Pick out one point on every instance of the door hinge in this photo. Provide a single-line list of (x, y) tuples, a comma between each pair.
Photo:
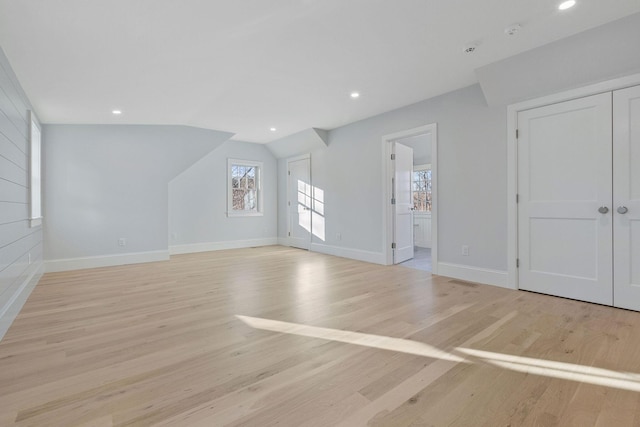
[(517, 133), (393, 157), (393, 246), (289, 203), (517, 262), (517, 198), (393, 201), (289, 173), (289, 234)]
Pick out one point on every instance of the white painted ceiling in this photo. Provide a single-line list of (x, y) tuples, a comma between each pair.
[(244, 66)]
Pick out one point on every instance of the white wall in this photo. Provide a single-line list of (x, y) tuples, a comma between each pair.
[(105, 182), (20, 246), (471, 179), (602, 53), (198, 203)]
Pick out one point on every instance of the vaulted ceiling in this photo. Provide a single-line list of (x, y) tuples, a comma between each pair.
[(246, 66)]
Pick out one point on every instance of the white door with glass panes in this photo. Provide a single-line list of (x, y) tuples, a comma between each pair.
[(403, 206), (299, 199), (579, 191)]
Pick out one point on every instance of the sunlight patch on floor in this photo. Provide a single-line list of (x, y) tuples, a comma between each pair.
[(356, 338), (548, 368)]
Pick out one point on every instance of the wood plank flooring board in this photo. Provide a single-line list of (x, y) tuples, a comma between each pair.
[(160, 344)]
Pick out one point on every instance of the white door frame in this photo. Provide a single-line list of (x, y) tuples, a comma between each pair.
[(387, 209), (290, 160), (512, 156)]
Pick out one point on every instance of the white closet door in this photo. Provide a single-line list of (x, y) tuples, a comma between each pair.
[(626, 197), (564, 177)]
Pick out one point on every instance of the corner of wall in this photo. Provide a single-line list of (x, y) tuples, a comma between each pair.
[(9, 311)]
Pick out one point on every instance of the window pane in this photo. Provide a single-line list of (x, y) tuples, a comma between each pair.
[(244, 188)]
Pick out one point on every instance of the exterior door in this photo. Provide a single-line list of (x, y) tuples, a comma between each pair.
[(403, 208), (626, 197), (299, 202), (565, 193)]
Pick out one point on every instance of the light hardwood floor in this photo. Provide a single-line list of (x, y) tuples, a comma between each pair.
[(279, 336)]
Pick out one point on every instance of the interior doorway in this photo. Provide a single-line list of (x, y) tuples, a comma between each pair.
[(422, 227)]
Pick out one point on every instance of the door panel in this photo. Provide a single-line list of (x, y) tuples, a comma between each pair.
[(564, 176), (403, 214), (626, 178), (299, 203)]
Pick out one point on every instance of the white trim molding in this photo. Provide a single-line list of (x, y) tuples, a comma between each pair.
[(467, 273), (219, 246), (356, 254), (68, 264), (387, 211), (9, 311)]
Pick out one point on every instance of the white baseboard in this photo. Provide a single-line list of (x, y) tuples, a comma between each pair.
[(284, 241), (357, 254), (218, 246), (67, 264), (474, 274), (9, 311)]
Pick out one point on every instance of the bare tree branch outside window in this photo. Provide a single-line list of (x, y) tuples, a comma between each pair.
[(244, 188), (422, 190)]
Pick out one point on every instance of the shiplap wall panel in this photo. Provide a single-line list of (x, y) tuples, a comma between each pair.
[(9, 254), (13, 231), (8, 129), (12, 212), (12, 278), (11, 172), (12, 192), (14, 105), (20, 245), (9, 151)]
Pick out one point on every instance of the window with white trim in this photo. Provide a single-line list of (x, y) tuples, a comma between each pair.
[(244, 188), (35, 177)]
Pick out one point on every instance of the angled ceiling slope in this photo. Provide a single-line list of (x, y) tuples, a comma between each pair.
[(595, 55), (299, 143)]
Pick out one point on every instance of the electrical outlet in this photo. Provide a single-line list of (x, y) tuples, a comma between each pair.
[(174, 236), (465, 250), (122, 241), (29, 257), (338, 236)]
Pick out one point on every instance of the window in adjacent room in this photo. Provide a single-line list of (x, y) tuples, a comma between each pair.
[(35, 177), (244, 188), (422, 188)]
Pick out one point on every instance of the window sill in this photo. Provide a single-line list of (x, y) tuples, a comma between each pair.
[(243, 214)]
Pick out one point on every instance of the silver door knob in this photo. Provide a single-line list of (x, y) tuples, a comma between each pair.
[(603, 209), (622, 210)]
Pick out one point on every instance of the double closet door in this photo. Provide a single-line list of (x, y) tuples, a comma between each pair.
[(579, 199)]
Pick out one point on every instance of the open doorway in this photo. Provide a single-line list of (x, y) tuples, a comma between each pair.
[(422, 142)]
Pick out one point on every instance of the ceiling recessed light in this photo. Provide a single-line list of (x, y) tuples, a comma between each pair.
[(273, 129), (116, 112), (567, 4), (355, 95)]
